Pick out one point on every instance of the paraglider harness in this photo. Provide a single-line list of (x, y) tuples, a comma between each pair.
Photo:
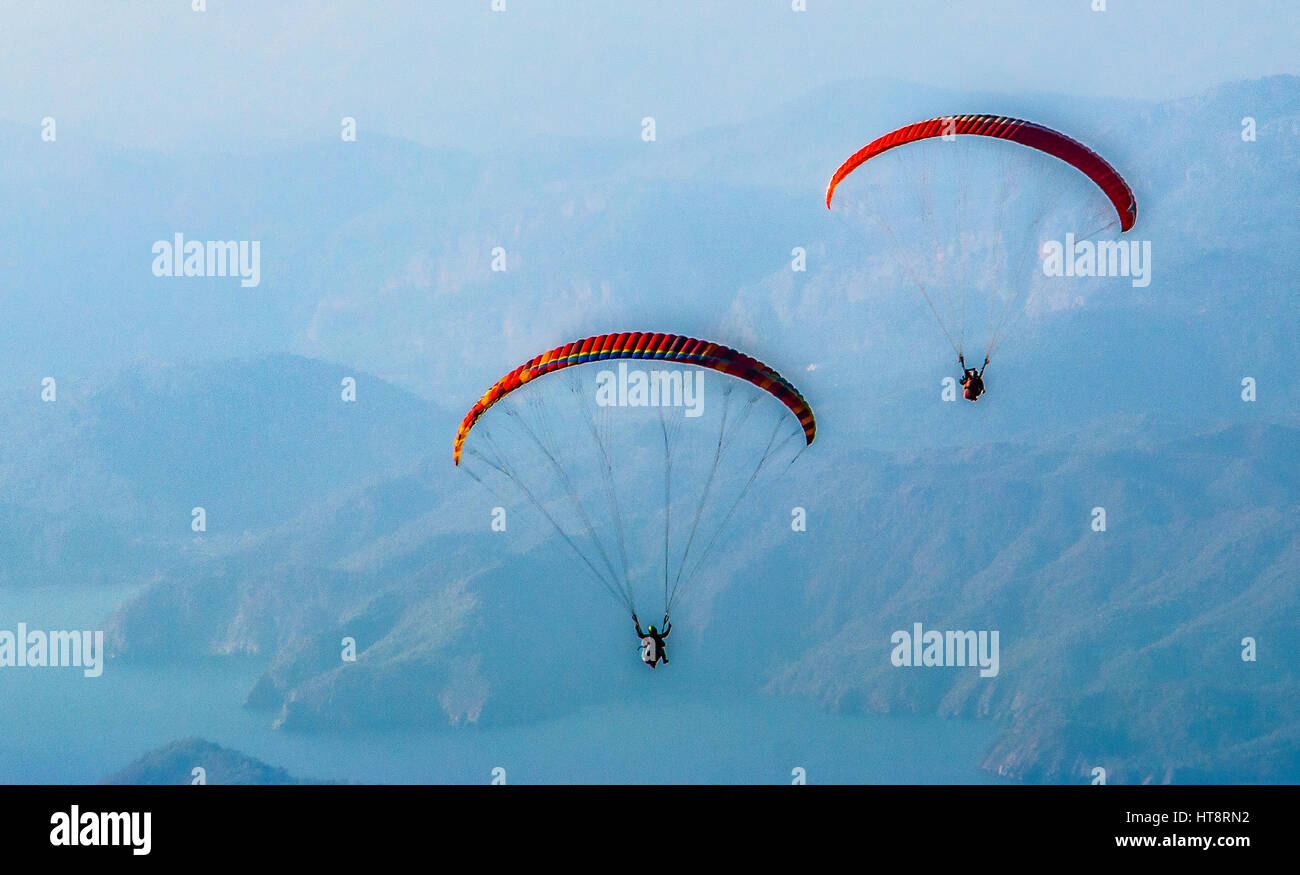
[(652, 642), (972, 381)]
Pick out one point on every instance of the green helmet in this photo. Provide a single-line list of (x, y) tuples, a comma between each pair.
[(651, 630)]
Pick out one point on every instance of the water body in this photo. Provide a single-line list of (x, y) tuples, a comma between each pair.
[(61, 727)]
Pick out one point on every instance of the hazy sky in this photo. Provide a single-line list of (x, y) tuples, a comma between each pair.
[(452, 72)]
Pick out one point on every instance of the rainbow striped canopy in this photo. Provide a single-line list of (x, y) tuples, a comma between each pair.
[(643, 345)]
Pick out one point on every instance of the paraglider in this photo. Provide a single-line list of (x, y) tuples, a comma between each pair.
[(639, 470), (964, 203), (652, 642), (972, 379)]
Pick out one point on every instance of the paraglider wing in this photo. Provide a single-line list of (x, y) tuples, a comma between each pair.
[(1019, 131), (644, 345)]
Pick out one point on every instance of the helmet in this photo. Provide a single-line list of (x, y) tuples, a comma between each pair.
[(651, 630)]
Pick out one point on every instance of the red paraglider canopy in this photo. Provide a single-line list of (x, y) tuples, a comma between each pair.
[(648, 345), (1025, 133)]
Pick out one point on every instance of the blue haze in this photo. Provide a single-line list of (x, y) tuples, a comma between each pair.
[(522, 130)]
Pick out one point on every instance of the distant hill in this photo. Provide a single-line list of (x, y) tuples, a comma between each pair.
[(174, 764), (1120, 648), (100, 484)]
